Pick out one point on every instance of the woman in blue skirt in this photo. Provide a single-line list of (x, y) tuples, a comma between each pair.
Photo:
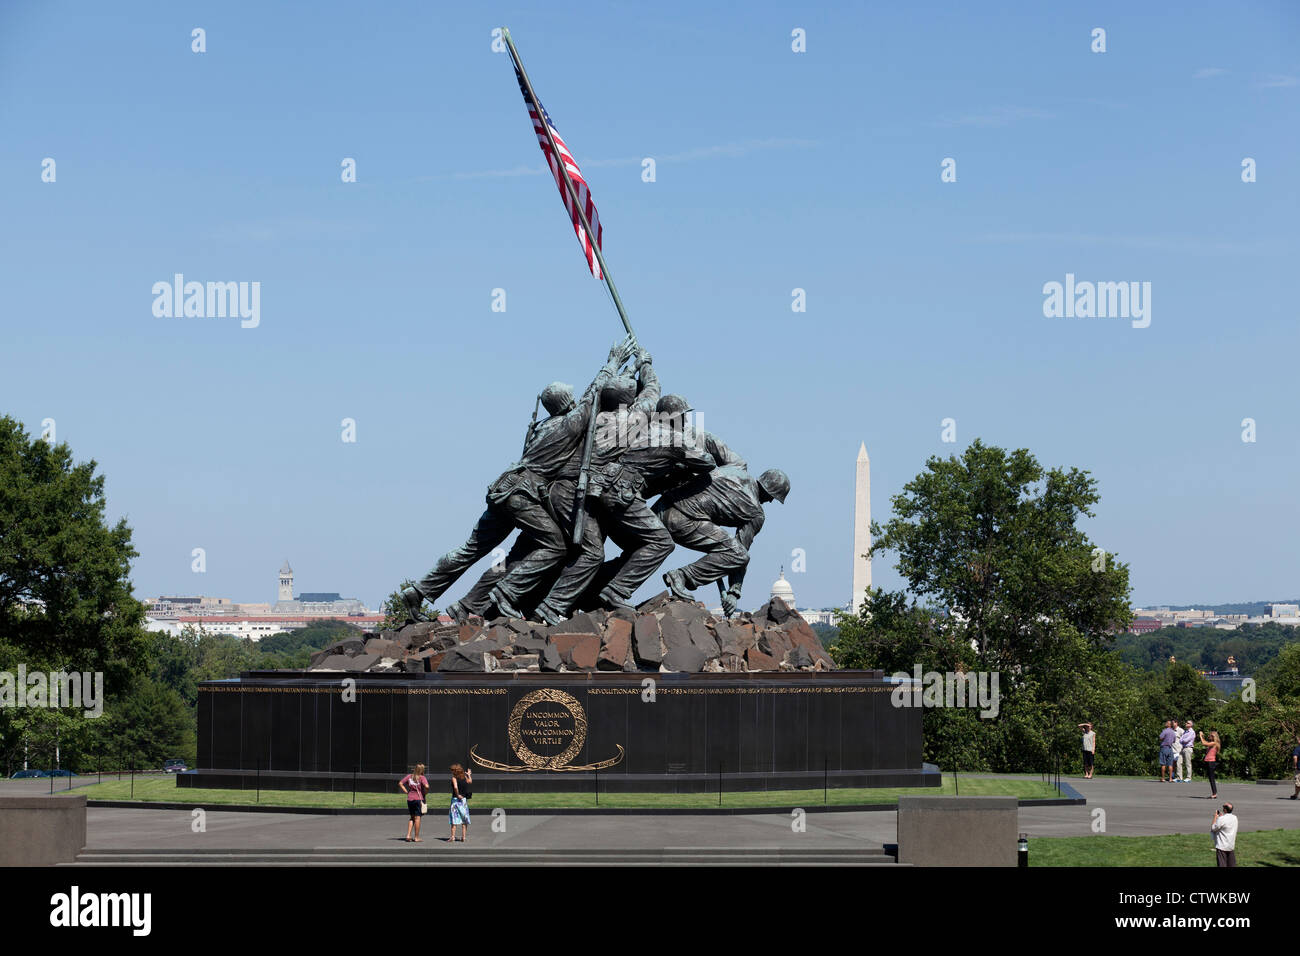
[(459, 812)]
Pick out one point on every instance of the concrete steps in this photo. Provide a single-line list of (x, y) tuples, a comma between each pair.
[(440, 854)]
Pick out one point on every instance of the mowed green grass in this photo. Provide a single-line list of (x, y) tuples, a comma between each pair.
[(164, 790), (1254, 848)]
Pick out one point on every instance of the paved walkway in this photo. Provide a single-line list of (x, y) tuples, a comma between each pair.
[(1132, 807)]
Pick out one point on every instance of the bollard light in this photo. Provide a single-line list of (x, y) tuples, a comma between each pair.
[(1022, 849)]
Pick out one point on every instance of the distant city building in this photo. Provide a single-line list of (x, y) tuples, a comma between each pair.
[(819, 615), (1284, 610), (256, 628), (256, 621), (313, 603), (165, 607), (1144, 625), (782, 589)]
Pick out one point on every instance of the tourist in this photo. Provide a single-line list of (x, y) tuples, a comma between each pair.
[(458, 814), (1167, 738), (1187, 738), (1224, 828), (1089, 749), (416, 786), (1295, 766), (467, 793), (1176, 771), (1212, 759)]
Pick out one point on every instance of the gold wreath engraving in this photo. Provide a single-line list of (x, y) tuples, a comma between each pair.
[(562, 761)]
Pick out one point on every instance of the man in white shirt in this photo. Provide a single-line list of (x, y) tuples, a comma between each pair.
[(1178, 754), (1224, 828), (1187, 738)]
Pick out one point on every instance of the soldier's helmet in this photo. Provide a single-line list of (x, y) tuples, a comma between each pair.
[(775, 483), (673, 405), (557, 398)]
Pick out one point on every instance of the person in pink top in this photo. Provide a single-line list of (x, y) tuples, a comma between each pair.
[(416, 787), (1212, 760)]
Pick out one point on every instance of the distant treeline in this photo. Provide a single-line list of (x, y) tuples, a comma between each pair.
[(155, 715), (1207, 648)]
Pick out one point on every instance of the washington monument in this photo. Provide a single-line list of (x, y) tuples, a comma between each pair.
[(861, 530)]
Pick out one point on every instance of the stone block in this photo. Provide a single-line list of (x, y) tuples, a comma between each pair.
[(686, 658), (549, 659), (654, 603), (577, 650), (647, 640), (702, 639), (615, 645), (674, 633), (958, 831), (41, 830), (758, 661)]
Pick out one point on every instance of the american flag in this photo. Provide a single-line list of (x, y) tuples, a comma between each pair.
[(575, 174)]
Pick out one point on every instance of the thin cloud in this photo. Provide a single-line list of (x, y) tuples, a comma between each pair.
[(997, 116), (1206, 72), (1280, 80), (1183, 244)]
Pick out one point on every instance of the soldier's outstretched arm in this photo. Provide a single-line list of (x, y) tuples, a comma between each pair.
[(718, 449), (647, 396), (575, 420)]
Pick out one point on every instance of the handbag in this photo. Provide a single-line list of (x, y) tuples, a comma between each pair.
[(424, 808)]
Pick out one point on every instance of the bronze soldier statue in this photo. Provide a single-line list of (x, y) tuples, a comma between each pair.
[(673, 409), (662, 457), (517, 500), (612, 505), (695, 515)]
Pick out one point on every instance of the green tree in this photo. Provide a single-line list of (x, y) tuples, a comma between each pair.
[(1013, 587), (148, 725), (65, 592), (992, 536)]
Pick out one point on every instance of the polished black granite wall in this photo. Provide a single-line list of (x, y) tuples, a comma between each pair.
[(756, 731)]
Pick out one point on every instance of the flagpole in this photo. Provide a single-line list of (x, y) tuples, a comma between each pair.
[(568, 183)]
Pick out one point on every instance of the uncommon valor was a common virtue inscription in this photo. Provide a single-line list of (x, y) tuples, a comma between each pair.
[(547, 729)]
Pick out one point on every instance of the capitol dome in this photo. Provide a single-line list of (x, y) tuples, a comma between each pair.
[(781, 588)]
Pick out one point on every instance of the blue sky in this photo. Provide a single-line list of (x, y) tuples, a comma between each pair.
[(775, 170)]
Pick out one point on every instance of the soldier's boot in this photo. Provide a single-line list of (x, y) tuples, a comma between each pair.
[(502, 604), (614, 601), (676, 582), (414, 601), (547, 614), (457, 612)]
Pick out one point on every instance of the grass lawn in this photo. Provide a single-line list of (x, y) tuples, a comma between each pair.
[(1255, 848), (164, 790)]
